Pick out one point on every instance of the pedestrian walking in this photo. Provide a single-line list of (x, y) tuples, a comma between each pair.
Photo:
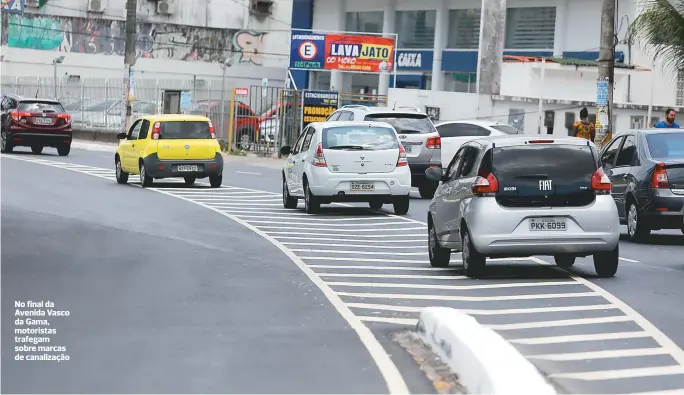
[(583, 128), (669, 121)]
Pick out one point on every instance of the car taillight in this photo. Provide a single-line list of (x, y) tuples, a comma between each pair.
[(211, 130), (319, 159), (65, 117), (600, 182), (485, 186), (17, 115), (402, 161), (434, 143), (155, 131), (659, 179)]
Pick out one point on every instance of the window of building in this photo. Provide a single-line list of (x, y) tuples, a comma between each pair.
[(364, 22), (464, 29), (530, 28), (636, 122), (416, 29)]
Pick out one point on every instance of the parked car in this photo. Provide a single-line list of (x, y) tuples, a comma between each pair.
[(106, 114), (34, 122), (416, 133), (455, 133), (646, 168), (347, 162), (246, 129), (169, 145), (518, 196)]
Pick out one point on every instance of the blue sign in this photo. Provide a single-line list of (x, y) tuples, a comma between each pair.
[(408, 60), (318, 105), (307, 50), (602, 93), (13, 6), (186, 101)]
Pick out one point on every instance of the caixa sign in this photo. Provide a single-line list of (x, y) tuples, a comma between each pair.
[(414, 60)]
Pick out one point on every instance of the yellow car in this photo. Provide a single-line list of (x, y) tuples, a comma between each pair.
[(169, 145)]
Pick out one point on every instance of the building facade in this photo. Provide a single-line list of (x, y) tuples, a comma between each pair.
[(438, 42)]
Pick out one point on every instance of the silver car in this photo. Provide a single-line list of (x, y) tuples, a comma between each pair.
[(416, 132), (518, 196)]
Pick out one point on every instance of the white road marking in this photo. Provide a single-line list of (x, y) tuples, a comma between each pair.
[(405, 276), (558, 323), (629, 260), (603, 354), (328, 258), (247, 172), (343, 235), (452, 287), (581, 338), (303, 218), (359, 246), (338, 230), (410, 268), (232, 204), (390, 320), (393, 223), (250, 201), (411, 309), (385, 253), (338, 239), (468, 298), (622, 373)]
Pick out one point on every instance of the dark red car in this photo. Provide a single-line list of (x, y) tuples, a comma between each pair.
[(34, 122)]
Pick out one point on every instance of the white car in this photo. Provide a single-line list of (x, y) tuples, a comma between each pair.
[(353, 161), (456, 133)]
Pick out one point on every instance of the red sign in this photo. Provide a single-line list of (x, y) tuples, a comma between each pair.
[(371, 54), (241, 91)]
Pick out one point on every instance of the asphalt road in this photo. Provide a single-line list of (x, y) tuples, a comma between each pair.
[(588, 335)]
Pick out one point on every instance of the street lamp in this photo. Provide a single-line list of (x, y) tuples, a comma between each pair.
[(55, 62)]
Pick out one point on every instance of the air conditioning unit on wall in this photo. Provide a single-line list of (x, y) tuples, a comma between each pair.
[(166, 7), (261, 8), (97, 5)]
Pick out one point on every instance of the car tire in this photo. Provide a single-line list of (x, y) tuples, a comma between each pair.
[(375, 205), (289, 202), (311, 203), (37, 149), (564, 261), (474, 263), (121, 176), (637, 231), (427, 190), (189, 181), (401, 205), (244, 139), (145, 179), (64, 149), (215, 181), (439, 256), (606, 263), (5, 144)]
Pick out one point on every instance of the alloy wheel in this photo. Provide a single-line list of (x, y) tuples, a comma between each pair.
[(3, 140), (465, 254), (632, 220), (285, 192), (431, 241), (118, 169), (142, 175)]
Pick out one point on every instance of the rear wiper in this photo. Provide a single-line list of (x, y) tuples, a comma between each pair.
[(49, 111), (346, 147)]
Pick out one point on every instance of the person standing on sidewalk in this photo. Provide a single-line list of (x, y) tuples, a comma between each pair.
[(669, 121), (583, 128)]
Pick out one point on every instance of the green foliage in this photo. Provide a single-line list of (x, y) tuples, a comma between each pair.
[(660, 30)]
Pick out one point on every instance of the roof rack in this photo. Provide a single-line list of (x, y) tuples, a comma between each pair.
[(361, 106)]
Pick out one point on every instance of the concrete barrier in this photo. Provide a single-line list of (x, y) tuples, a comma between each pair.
[(102, 135), (483, 360)]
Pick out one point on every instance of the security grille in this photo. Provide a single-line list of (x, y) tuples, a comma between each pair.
[(530, 28), (416, 29), (364, 22), (464, 29)]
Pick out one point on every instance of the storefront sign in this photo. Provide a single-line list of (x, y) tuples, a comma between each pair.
[(318, 105), (344, 52), (414, 60), (12, 6)]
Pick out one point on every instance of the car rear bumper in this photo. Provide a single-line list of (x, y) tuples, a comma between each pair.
[(661, 209), (323, 182), (159, 168), (28, 138), (501, 231)]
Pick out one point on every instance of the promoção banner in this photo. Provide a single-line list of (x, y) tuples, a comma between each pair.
[(343, 52), (318, 105)]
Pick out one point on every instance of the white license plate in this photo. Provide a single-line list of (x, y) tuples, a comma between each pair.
[(362, 186), (408, 148), (188, 168), (43, 121), (548, 225)]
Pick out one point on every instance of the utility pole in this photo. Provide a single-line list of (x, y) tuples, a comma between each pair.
[(604, 85), (129, 61)]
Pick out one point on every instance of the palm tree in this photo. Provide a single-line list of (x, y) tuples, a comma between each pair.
[(661, 27)]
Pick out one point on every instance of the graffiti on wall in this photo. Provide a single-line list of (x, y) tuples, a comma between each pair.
[(154, 40)]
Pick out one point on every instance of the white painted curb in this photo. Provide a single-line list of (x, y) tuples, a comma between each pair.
[(483, 360)]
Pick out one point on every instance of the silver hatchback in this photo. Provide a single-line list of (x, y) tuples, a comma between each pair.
[(518, 196)]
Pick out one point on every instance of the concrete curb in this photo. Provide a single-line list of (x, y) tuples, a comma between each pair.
[(483, 360), (100, 135)]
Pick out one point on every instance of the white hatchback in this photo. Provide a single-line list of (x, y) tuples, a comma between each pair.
[(347, 162)]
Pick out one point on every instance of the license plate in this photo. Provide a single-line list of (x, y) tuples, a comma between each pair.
[(43, 121), (188, 168), (548, 225), (408, 148), (362, 186)]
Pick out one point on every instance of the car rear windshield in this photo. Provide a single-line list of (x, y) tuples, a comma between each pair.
[(507, 129), (666, 145), (170, 130), (405, 123), (40, 106), (360, 138), (544, 175)]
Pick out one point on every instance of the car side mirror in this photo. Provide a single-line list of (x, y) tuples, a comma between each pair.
[(121, 136), (434, 174), (285, 150)]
